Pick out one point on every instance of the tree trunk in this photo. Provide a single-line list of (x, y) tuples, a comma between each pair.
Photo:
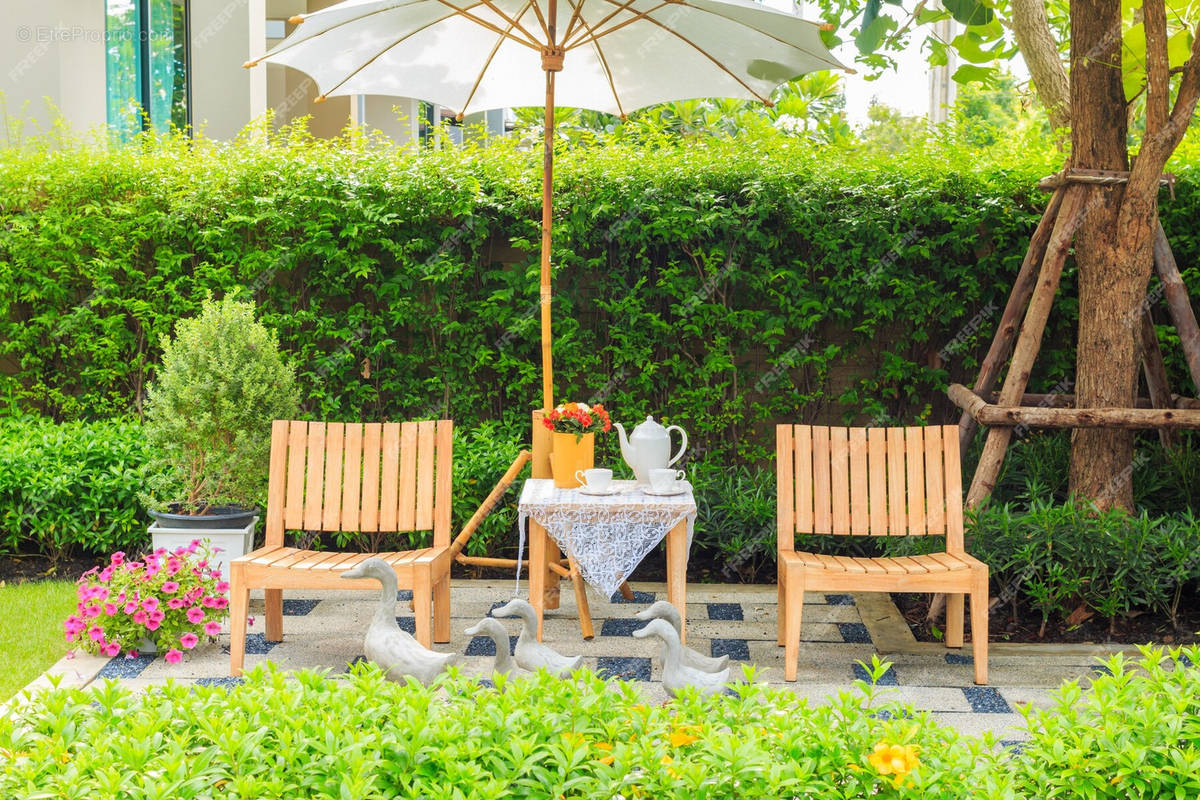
[(1113, 264)]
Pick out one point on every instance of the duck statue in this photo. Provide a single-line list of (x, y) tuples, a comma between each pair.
[(397, 652), (492, 629), (676, 676), (665, 610), (531, 654)]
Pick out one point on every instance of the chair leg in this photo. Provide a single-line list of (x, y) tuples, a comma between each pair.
[(793, 604), (441, 609), (274, 615), (954, 619), (979, 624), (781, 585), (239, 606), (423, 602)]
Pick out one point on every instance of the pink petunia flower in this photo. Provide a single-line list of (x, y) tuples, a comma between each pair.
[(150, 604), (162, 551), (140, 617), (222, 603), (111, 649), (189, 640), (222, 587), (250, 622), (95, 633), (91, 611), (212, 628), (100, 593), (131, 607), (209, 601), (110, 610), (118, 557), (195, 614), (157, 615), (173, 656), (176, 603), (105, 574), (173, 565), (133, 653), (153, 625), (170, 587)]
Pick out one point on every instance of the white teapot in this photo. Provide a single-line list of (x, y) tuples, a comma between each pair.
[(649, 447)]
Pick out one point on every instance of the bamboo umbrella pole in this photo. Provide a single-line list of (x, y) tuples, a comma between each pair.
[(552, 62)]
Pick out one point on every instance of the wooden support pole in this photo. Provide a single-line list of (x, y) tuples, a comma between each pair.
[(541, 469), (1010, 320), (1029, 341), (486, 507), (1000, 418), (1058, 400), (1155, 372), (1178, 304)]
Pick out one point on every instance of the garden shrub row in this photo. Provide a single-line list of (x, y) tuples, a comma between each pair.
[(719, 283), (1132, 734)]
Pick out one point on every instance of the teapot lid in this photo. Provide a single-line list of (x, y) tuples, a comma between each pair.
[(649, 426)]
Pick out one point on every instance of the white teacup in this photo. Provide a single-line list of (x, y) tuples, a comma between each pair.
[(665, 480), (596, 480)]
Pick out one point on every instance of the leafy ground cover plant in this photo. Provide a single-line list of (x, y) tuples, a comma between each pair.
[(306, 735), (1134, 734), (170, 598)]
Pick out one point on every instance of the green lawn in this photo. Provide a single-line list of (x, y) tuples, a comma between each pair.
[(31, 638)]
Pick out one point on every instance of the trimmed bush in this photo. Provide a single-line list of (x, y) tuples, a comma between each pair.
[(71, 488)]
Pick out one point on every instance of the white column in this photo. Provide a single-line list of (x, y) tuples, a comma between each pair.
[(224, 35)]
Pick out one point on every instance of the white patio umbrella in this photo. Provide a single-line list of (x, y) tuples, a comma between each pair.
[(613, 55)]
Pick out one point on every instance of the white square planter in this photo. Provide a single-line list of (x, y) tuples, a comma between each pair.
[(234, 542)]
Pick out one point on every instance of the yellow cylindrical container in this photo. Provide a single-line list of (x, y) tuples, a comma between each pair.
[(568, 456)]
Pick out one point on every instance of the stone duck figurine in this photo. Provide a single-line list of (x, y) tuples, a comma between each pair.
[(663, 609), (675, 675), (531, 654), (492, 629), (396, 651)]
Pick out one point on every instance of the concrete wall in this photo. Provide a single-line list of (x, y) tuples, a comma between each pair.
[(51, 51)]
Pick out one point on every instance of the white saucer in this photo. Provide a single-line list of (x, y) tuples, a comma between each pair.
[(668, 493), (611, 490)]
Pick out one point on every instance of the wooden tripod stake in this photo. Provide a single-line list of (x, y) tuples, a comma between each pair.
[(1031, 300)]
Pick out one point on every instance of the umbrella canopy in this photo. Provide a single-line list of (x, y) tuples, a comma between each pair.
[(609, 55)]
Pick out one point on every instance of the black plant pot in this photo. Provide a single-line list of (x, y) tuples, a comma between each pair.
[(214, 517)]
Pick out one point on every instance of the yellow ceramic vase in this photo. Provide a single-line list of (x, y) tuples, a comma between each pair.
[(568, 456)]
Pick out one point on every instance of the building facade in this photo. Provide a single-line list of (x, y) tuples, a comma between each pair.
[(130, 64)]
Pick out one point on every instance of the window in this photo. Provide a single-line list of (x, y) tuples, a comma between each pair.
[(146, 65)]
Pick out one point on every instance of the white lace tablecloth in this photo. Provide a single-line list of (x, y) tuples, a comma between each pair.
[(607, 536)]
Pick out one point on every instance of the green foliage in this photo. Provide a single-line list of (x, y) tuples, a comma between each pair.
[(684, 274), (1059, 557), (71, 487), (1133, 735), (305, 735), (209, 410)]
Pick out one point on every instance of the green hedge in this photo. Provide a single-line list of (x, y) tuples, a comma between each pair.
[(71, 488), (719, 283), (1133, 734)]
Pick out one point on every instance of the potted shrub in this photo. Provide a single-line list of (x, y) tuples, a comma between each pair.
[(208, 420)]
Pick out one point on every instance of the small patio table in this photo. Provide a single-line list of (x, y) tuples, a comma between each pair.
[(604, 537)]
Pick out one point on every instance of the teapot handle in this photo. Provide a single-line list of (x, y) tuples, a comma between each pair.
[(682, 446)]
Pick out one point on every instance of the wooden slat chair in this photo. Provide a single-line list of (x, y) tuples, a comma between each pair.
[(373, 477), (876, 482)]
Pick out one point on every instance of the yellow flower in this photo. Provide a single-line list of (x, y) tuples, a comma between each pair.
[(603, 745), (606, 761), (666, 760), (681, 737), (894, 759)]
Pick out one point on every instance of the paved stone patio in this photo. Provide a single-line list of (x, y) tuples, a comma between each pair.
[(325, 630)]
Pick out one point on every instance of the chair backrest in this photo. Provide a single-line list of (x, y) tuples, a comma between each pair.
[(334, 476), (869, 482)]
